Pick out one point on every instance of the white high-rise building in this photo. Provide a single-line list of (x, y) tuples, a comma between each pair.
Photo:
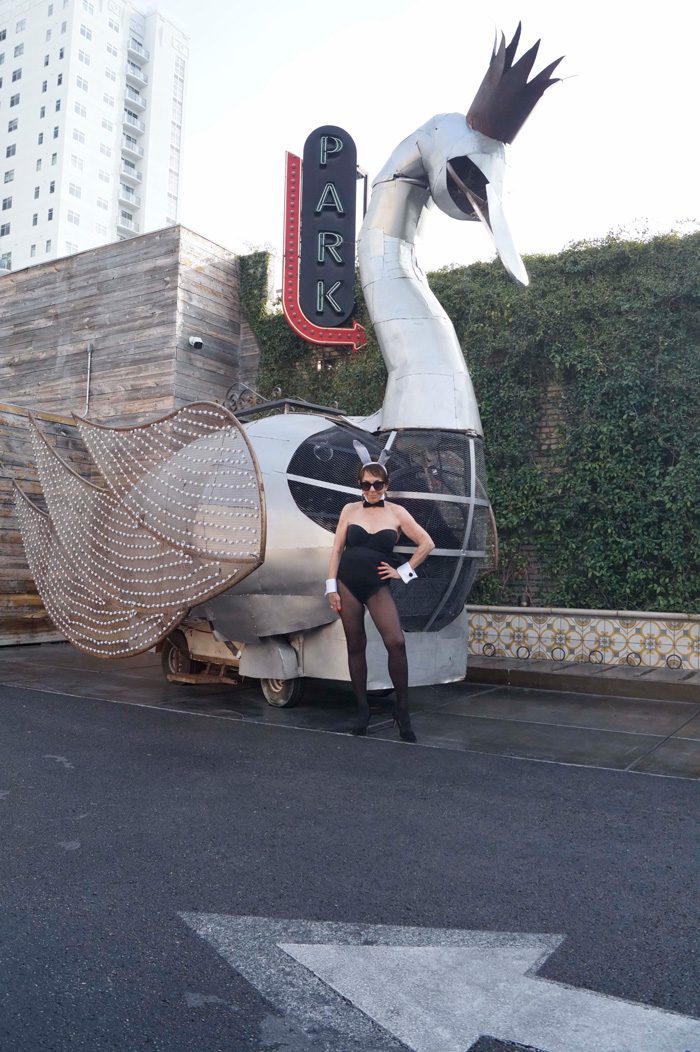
[(91, 107)]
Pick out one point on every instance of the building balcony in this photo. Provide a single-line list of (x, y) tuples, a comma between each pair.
[(128, 197), (133, 124), (133, 98), (130, 174), (127, 226), (131, 149), (137, 52), (136, 77)]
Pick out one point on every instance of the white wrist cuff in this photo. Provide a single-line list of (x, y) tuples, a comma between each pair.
[(406, 572), (331, 585)]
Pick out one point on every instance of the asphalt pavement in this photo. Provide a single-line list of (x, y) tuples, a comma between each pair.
[(159, 843)]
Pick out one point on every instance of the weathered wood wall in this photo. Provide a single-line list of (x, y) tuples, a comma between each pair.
[(137, 302)]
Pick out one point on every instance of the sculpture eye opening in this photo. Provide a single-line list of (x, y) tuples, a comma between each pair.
[(474, 179)]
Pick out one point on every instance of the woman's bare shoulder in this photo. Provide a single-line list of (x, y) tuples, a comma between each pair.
[(350, 509)]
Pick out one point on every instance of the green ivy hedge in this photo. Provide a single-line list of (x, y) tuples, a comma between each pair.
[(608, 332)]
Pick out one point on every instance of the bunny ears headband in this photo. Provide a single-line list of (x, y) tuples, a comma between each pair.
[(367, 458)]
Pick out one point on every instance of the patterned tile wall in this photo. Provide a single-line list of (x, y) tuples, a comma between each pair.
[(599, 636)]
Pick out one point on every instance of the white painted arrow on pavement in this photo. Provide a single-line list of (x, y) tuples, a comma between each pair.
[(435, 990)]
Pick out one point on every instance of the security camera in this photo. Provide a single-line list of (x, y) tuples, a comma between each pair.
[(196, 341)]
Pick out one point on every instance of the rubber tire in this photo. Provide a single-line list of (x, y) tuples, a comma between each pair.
[(175, 658), (282, 693)]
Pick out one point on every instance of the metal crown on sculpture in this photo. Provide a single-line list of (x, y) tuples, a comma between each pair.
[(240, 517)]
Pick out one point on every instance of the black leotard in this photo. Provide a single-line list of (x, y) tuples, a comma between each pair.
[(363, 553)]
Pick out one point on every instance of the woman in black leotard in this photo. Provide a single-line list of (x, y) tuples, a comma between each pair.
[(359, 573)]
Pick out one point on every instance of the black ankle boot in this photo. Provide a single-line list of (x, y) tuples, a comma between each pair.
[(402, 720), (359, 728)]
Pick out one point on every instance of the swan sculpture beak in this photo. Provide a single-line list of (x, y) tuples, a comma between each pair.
[(465, 172)]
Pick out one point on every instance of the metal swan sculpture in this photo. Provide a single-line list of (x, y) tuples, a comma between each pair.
[(231, 525)]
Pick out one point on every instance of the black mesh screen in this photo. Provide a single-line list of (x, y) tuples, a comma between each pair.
[(431, 462)]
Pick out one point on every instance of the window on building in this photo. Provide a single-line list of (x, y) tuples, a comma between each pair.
[(58, 105), (101, 229), (6, 260), (50, 10), (59, 79), (61, 52), (105, 150), (110, 74), (64, 26), (36, 192), (49, 214), (9, 175), (46, 60), (71, 248), (82, 83), (40, 139), (14, 100), (38, 164), (35, 219), (86, 32), (19, 50), (55, 132), (42, 112), (74, 190), (78, 135), (48, 34), (87, 6), (101, 203), (4, 229), (84, 58), (107, 125), (21, 25), (54, 158), (112, 50), (32, 250), (13, 125), (113, 25), (108, 99), (48, 245), (52, 186), (16, 74), (6, 203), (44, 86), (11, 150), (103, 176), (80, 110), (73, 217), (2, 58), (3, 34), (77, 162)]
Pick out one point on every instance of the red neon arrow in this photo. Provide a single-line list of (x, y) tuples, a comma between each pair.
[(355, 336)]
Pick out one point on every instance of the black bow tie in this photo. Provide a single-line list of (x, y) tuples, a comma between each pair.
[(366, 503)]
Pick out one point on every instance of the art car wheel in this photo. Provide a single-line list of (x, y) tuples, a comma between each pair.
[(282, 693), (175, 657)]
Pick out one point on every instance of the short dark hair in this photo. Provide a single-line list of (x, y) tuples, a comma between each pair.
[(378, 470)]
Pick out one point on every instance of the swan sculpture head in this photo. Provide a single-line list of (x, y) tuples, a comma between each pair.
[(465, 160)]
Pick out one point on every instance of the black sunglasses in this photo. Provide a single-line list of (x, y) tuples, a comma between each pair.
[(376, 485)]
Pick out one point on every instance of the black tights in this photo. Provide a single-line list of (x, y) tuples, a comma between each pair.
[(382, 610)]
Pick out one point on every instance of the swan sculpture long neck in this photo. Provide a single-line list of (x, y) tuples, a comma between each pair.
[(428, 383)]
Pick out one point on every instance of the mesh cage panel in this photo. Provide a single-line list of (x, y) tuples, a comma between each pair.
[(449, 468)]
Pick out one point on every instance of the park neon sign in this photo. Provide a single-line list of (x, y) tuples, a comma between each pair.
[(318, 279)]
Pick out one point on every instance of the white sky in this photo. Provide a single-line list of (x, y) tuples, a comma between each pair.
[(614, 147)]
